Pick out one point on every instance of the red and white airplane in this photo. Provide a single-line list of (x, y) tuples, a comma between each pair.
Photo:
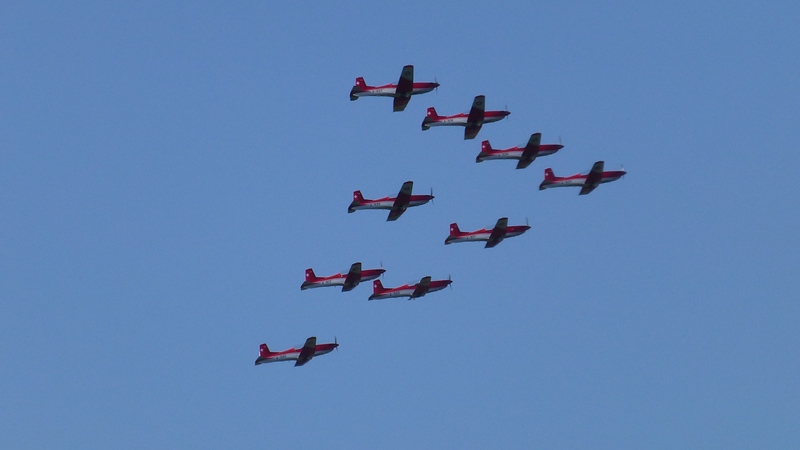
[(348, 282), (492, 237), (424, 286), (473, 121), (401, 92), (397, 206), (525, 155), (588, 181), (302, 355)]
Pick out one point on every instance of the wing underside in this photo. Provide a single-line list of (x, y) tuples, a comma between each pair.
[(400, 103), (307, 352), (353, 277), (593, 179), (477, 111), (401, 202), (498, 233), (531, 151), (422, 287), (471, 131)]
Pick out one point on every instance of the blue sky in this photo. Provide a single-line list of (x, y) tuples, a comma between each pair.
[(167, 173)]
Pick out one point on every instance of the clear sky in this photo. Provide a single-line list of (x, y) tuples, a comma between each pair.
[(168, 171)]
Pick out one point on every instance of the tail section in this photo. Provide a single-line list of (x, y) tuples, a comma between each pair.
[(310, 278), (310, 275), (360, 86), (431, 117), (486, 149), (377, 287), (358, 199), (454, 231), (549, 178), (263, 355)]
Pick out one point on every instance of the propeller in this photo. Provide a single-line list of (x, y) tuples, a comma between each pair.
[(432, 202), (506, 110), (384, 270), (622, 169), (436, 80), (450, 285), (335, 341)]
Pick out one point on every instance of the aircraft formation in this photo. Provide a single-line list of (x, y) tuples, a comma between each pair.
[(472, 122)]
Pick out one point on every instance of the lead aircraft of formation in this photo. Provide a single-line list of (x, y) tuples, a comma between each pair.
[(401, 92), (473, 121), (302, 355)]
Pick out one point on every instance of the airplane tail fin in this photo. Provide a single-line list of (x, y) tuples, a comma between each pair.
[(377, 287), (359, 87), (357, 200), (431, 117), (264, 350), (549, 177), (310, 275), (454, 231), (486, 148), (310, 278)]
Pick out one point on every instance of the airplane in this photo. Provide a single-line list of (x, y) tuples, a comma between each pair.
[(525, 155), (401, 92), (492, 237), (424, 286), (302, 356), (472, 121), (397, 206), (348, 282), (588, 181)]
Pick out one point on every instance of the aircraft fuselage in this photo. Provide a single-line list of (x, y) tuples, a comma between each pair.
[(580, 180)]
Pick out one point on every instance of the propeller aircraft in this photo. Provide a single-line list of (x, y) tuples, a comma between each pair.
[(525, 155), (348, 282), (302, 355), (587, 181), (472, 121), (401, 92), (397, 206), (492, 237), (424, 286)]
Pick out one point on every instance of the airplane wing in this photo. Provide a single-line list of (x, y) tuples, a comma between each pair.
[(531, 151), (401, 202), (593, 179), (400, 103), (498, 233), (404, 88), (422, 287), (476, 113), (307, 352), (471, 131), (353, 277)]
